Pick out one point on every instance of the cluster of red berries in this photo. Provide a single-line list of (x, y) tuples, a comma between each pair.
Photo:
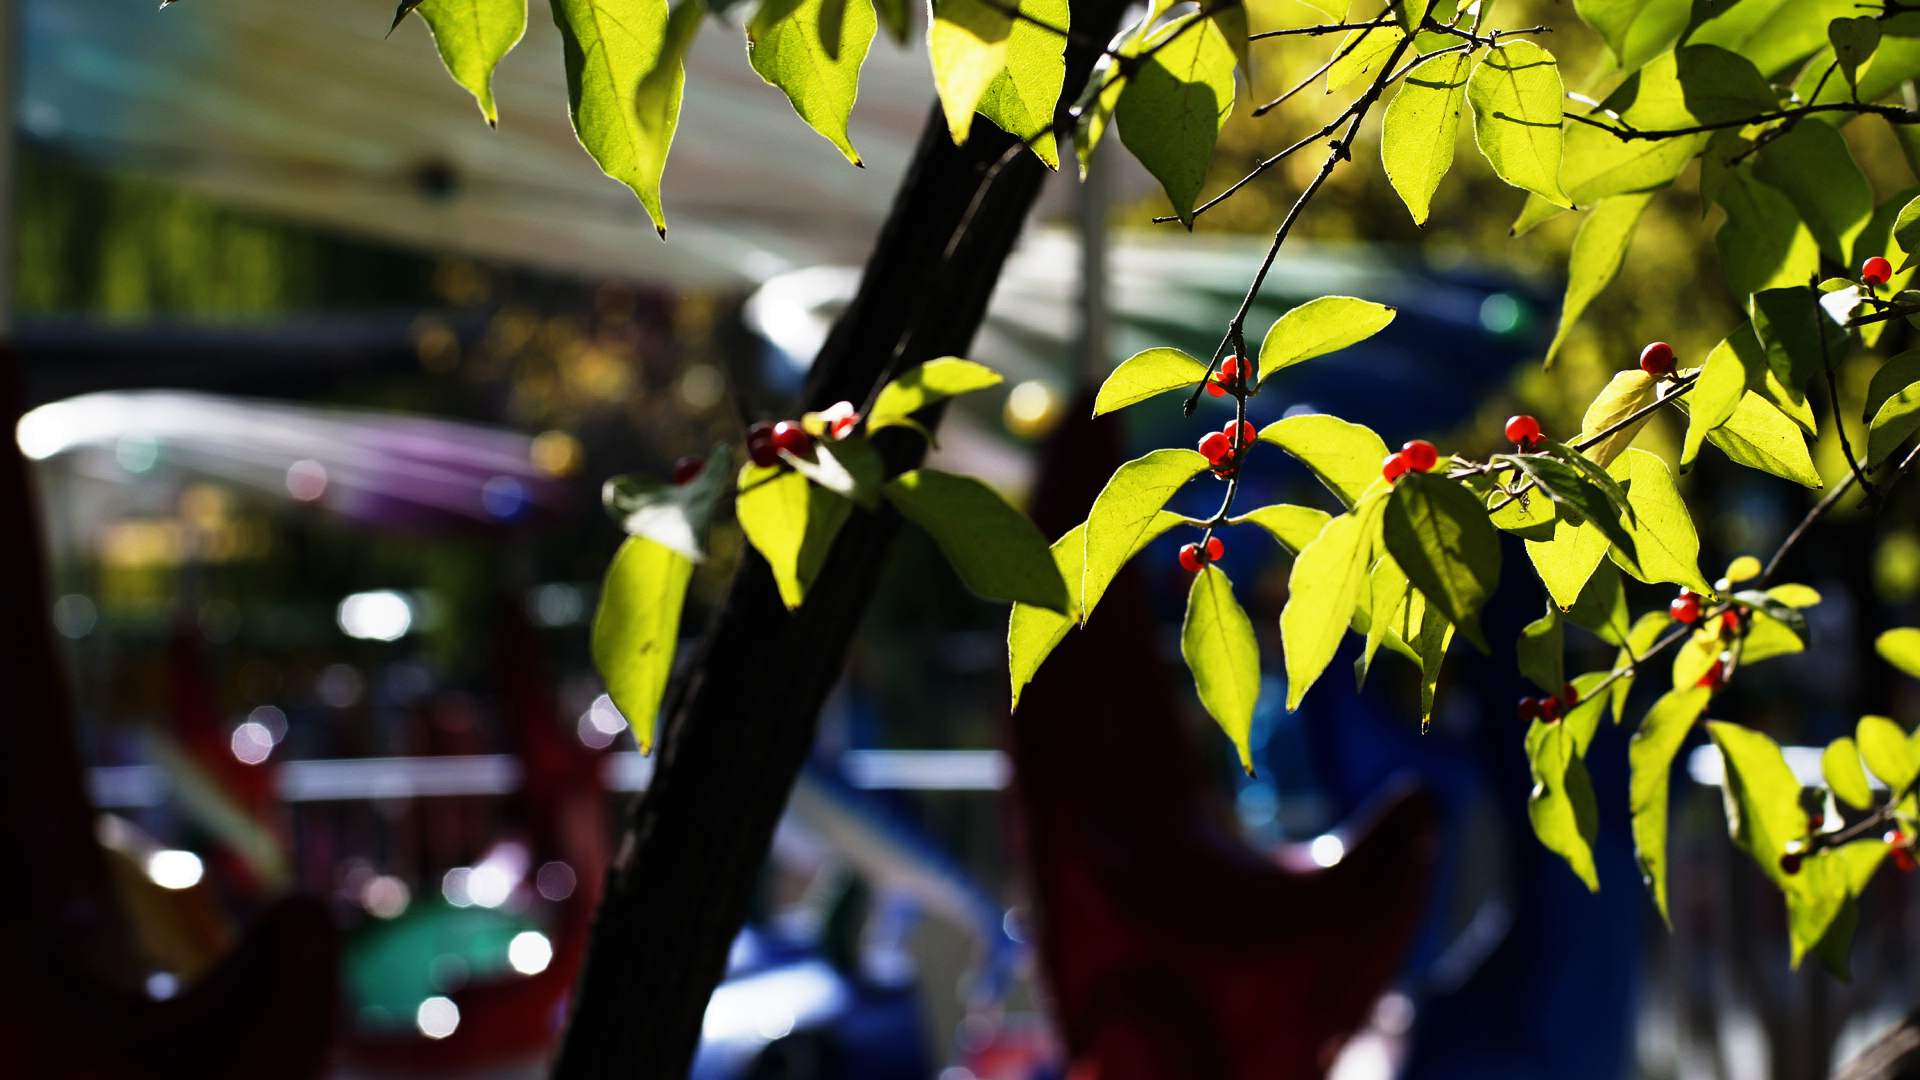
[(1549, 709), (1657, 359), (1685, 608), (1227, 379), (1524, 431), (766, 440), (1220, 449), (1415, 455), (1193, 557), (1875, 272), (1902, 847)]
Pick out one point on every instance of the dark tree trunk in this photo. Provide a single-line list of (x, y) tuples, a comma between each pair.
[(684, 870)]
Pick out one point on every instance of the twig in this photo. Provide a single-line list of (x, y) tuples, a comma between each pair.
[(1893, 114)]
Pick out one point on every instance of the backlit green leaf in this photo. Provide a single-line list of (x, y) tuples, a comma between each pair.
[(1362, 53), (791, 523), (1561, 806), (1218, 644), (1635, 30), (1666, 548), (1650, 758), (923, 385), (1598, 249), (1764, 243), (1021, 99), (967, 41), (1567, 560), (993, 548), (1342, 455), (1318, 327), (1898, 413), (1438, 532), (1773, 33), (812, 51), (636, 629), (1715, 395), (1325, 584), (1887, 753), (1795, 334), (1646, 630), (1172, 109), (1901, 648), (472, 36), (1293, 526), (1625, 394), (1840, 764), (1762, 799), (1146, 374), (850, 468), (1760, 436), (1576, 497), (1126, 508), (1516, 94), (1811, 165), (610, 47), (1420, 129), (674, 516), (1541, 652)]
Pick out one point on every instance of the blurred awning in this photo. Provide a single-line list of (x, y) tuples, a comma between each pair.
[(308, 111)]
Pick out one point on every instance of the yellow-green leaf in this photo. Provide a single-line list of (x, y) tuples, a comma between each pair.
[(1885, 749), (1438, 532), (1840, 764), (1650, 758), (1318, 327), (472, 36), (1293, 526), (1172, 109), (610, 47), (923, 385), (967, 42), (1598, 250), (1420, 129), (995, 550), (1325, 584), (1715, 395), (637, 627), (1147, 374), (1626, 393), (1362, 53), (811, 50), (1218, 644), (1568, 559), (1125, 509), (1666, 548), (1342, 455), (791, 523), (1901, 648), (1022, 98), (1760, 436), (1561, 806), (1516, 94)]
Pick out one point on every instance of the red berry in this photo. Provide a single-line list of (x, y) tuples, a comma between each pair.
[(686, 469), (1190, 559), (1421, 454), (1569, 695), (1685, 608), (1713, 678), (1529, 710), (1230, 369), (1903, 860), (760, 444), (1550, 710), (1216, 389), (1876, 271), (1248, 433), (1730, 620), (1523, 430), (1393, 467), (1217, 448), (1224, 472), (1895, 838), (1657, 359), (1815, 820), (1215, 549), (1790, 863), (791, 438)]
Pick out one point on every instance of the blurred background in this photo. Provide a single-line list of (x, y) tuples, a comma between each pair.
[(322, 378)]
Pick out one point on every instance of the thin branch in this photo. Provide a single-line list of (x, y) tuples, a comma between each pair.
[(1680, 386), (1316, 31), (1893, 114)]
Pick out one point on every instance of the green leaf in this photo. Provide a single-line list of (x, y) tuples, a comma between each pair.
[(1811, 164), (1567, 560), (1791, 329), (611, 47), (1439, 534), (1318, 327), (1764, 244), (1033, 632), (1173, 108), (637, 627), (1394, 614), (1362, 53), (1147, 374), (1218, 644), (1635, 30), (811, 50), (472, 36), (791, 523), (675, 516), (1906, 231), (1901, 648), (1646, 630), (1598, 250), (1411, 13), (1666, 548), (1342, 455), (1602, 607), (1713, 399), (1626, 393), (1127, 507), (1561, 806), (967, 42), (1420, 129), (1293, 526), (1516, 94), (1436, 633), (1325, 585), (1685, 88), (1898, 414), (1762, 799), (996, 551), (923, 385), (1541, 651), (1577, 498), (850, 468), (1773, 33), (1898, 374), (1760, 436), (1840, 764), (1885, 749), (1779, 611), (896, 17), (1650, 761), (1021, 100)]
